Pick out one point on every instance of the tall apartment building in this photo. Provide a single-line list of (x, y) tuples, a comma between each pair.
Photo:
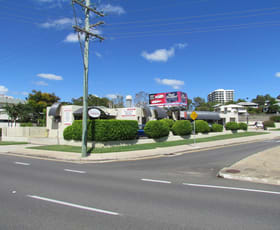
[(221, 96)]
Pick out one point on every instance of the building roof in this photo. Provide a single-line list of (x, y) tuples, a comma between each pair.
[(247, 103)]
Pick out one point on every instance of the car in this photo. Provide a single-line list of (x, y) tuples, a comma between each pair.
[(259, 124)]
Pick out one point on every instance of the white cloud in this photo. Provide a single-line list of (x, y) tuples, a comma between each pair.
[(160, 55), (108, 8), (41, 83), (61, 23), (277, 74), (73, 37), (3, 89), (50, 76), (98, 54), (175, 84), (112, 96), (181, 45)]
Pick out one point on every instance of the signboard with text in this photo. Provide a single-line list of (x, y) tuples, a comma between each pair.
[(170, 99)]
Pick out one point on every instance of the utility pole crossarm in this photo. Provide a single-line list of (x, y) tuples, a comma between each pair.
[(89, 8), (79, 29)]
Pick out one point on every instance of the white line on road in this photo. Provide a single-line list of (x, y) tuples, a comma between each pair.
[(74, 205), (231, 188), (21, 163), (75, 171), (157, 181)]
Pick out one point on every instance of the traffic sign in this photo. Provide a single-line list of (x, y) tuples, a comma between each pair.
[(193, 115)]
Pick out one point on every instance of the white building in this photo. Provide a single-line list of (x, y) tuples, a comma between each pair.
[(4, 118), (221, 96), (231, 112)]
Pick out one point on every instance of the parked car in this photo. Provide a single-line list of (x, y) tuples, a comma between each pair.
[(259, 124)]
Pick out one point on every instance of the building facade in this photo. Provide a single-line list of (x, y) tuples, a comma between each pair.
[(221, 96), (4, 118)]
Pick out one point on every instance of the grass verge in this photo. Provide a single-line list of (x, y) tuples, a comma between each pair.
[(67, 148), (12, 143)]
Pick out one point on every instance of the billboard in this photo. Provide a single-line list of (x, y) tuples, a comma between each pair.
[(170, 99)]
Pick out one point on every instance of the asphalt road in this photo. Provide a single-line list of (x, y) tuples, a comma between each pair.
[(173, 192)]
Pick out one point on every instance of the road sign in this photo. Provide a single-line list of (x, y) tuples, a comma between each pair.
[(193, 115)]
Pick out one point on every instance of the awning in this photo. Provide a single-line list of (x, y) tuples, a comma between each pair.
[(205, 115), (79, 111), (54, 110)]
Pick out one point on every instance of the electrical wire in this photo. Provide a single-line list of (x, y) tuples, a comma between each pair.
[(196, 16), (199, 30)]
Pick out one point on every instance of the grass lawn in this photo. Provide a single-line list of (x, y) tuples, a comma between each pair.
[(67, 148), (274, 130), (12, 143)]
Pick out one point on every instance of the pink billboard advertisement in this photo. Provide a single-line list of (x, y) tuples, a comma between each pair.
[(170, 99)]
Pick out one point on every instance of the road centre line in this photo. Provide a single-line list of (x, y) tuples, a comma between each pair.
[(75, 171), (74, 205), (156, 181), (231, 188), (21, 163)]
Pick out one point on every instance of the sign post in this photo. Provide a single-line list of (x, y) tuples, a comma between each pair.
[(193, 116)]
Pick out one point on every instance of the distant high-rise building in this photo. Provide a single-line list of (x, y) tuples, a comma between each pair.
[(221, 96)]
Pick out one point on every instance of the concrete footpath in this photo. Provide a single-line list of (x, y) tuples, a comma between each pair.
[(262, 167)]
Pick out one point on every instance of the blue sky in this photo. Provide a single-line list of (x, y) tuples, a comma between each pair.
[(195, 46)]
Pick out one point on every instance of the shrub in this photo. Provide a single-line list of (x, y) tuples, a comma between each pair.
[(27, 124), (112, 130), (0, 132), (168, 122), (201, 126), (217, 128), (77, 130), (275, 118), (231, 126), (103, 130), (268, 124), (156, 129), (68, 133), (182, 128), (242, 126)]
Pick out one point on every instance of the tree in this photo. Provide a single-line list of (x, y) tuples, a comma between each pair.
[(92, 101), (198, 101), (13, 111), (141, 99), (39, 101)]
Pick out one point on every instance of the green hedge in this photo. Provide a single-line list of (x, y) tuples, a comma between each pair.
[(217, 128), (68, 133), (102, 130), (242, 126), (182, 128), (0, 132), (201, 126), (231, 126), (275, 118), (168, 122), (268, 124), (113, 130), (156, 129)]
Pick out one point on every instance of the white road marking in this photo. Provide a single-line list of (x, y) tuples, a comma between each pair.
[(21, 163), (75, 171), (74, 205), (278, 141), (231, 188), (157, 181)]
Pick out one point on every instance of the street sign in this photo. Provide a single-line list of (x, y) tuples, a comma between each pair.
[(193, 115)]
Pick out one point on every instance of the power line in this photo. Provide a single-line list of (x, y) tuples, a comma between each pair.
[(196, 16), (199, 30), (195, 21)]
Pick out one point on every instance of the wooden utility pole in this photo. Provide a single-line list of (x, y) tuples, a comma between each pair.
[(85, 4)]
